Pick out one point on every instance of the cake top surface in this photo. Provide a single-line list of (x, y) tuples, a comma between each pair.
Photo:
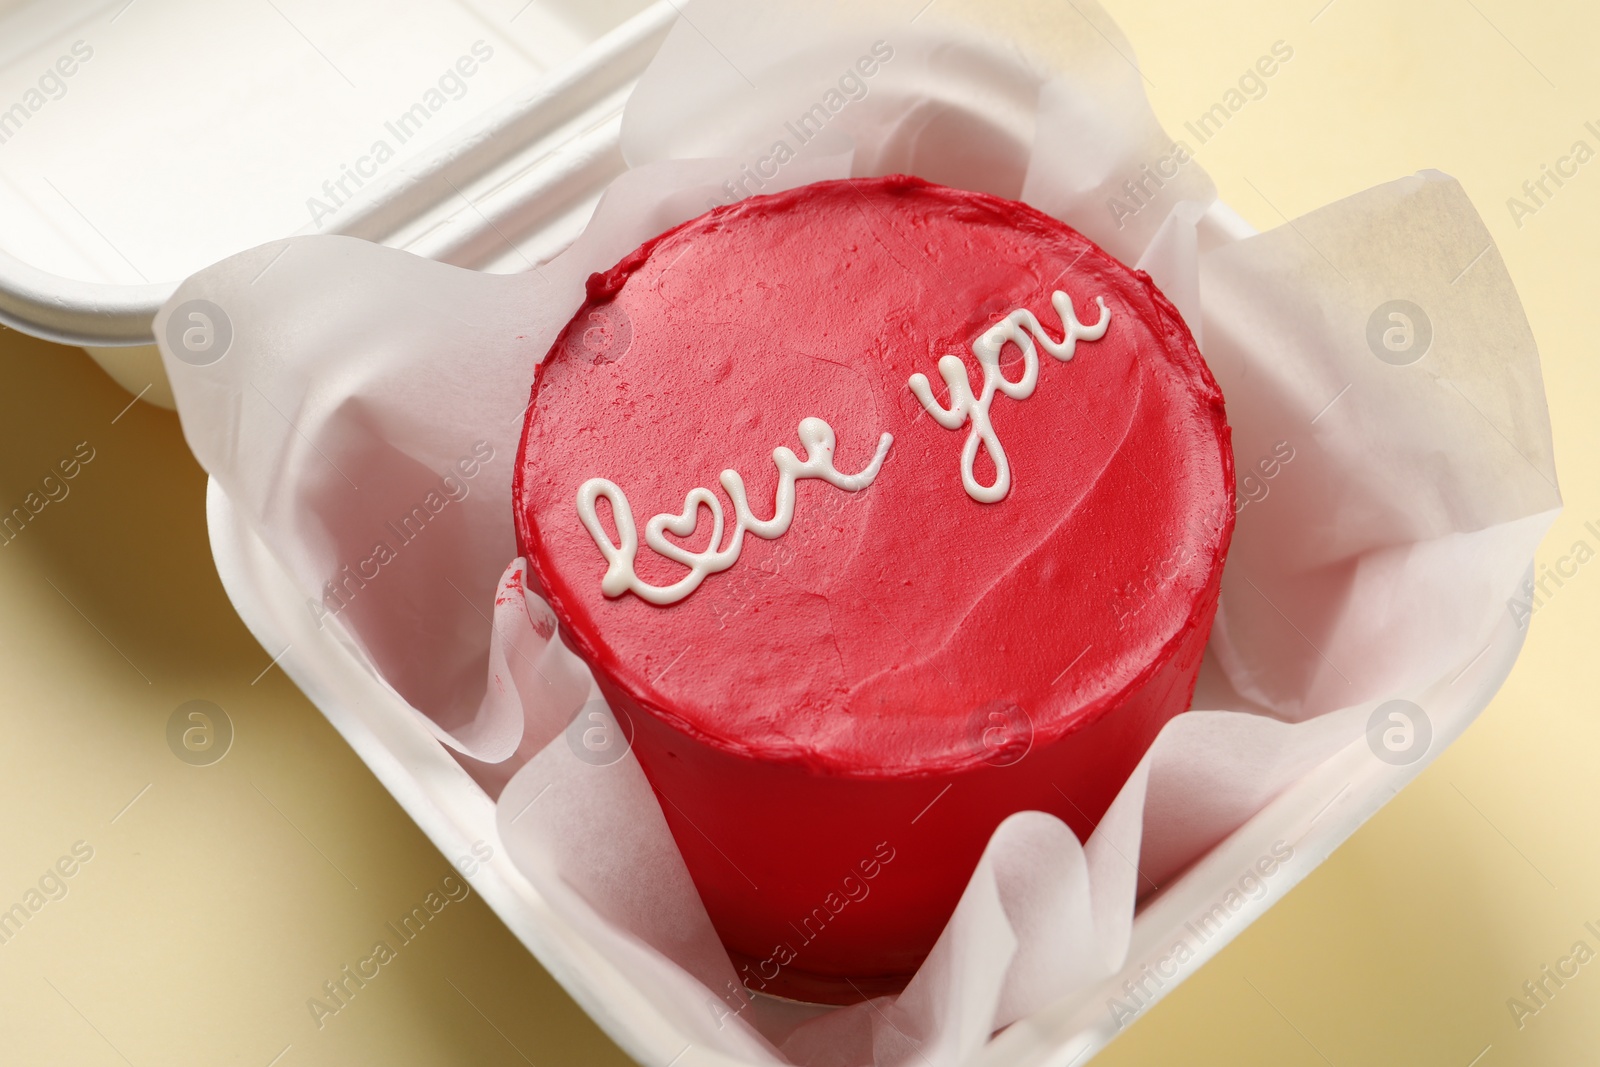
[(962, 468)]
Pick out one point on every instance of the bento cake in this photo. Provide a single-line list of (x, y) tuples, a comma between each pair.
[(881, 511)]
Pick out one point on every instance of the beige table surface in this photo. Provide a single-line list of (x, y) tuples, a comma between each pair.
[(219, 898)]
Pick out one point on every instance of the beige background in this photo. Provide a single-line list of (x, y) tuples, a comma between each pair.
[(223, 897)]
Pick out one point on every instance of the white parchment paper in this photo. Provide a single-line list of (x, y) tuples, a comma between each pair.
[(364, 413)]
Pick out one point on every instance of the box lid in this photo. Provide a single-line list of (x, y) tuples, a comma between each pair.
[(142, 140)]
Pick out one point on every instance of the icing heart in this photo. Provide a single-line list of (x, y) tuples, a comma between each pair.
[(620, 576)]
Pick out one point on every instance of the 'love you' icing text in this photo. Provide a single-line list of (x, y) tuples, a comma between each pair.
[(620, 577), (1022, 329)]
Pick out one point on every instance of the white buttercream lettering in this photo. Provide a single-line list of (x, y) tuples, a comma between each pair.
[(620, 577), (1021, 328)]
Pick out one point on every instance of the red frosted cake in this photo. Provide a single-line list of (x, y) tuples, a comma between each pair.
[(882, 511)]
